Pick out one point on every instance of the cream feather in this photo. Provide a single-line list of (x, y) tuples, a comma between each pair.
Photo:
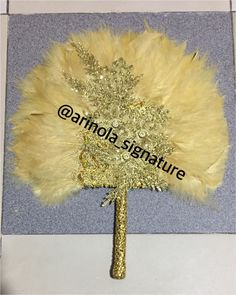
[(46, 148)]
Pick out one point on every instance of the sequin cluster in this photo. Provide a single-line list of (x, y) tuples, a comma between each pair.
[(111, 90)]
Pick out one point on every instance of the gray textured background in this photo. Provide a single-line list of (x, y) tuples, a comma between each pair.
[(148, 212)]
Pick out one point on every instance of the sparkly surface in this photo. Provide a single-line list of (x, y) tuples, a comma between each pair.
[(118, 268), (106, 164), (149, 211), (110, 90)]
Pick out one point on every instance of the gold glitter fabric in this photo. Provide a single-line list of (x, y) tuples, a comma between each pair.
[(111, 90), (118, 269)]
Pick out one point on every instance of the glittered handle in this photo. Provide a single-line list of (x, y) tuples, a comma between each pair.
[(118, 268)]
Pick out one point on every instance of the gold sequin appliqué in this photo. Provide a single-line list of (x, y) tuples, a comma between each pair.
[(111, 90)]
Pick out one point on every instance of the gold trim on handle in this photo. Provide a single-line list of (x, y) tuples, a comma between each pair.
[(118, 268)]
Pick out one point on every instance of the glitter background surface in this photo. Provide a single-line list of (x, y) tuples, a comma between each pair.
[(148, 211)]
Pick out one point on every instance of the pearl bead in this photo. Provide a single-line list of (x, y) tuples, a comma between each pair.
[(115, 123), (142, 133), (125, 157)]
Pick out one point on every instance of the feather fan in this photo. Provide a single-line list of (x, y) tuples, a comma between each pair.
[(130, 110)]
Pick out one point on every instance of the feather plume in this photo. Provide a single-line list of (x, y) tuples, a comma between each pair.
[(46, 148)]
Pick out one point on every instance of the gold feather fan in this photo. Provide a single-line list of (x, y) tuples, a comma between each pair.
[(129, 110)]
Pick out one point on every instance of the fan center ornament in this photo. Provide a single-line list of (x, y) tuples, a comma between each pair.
[(158, 104)]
